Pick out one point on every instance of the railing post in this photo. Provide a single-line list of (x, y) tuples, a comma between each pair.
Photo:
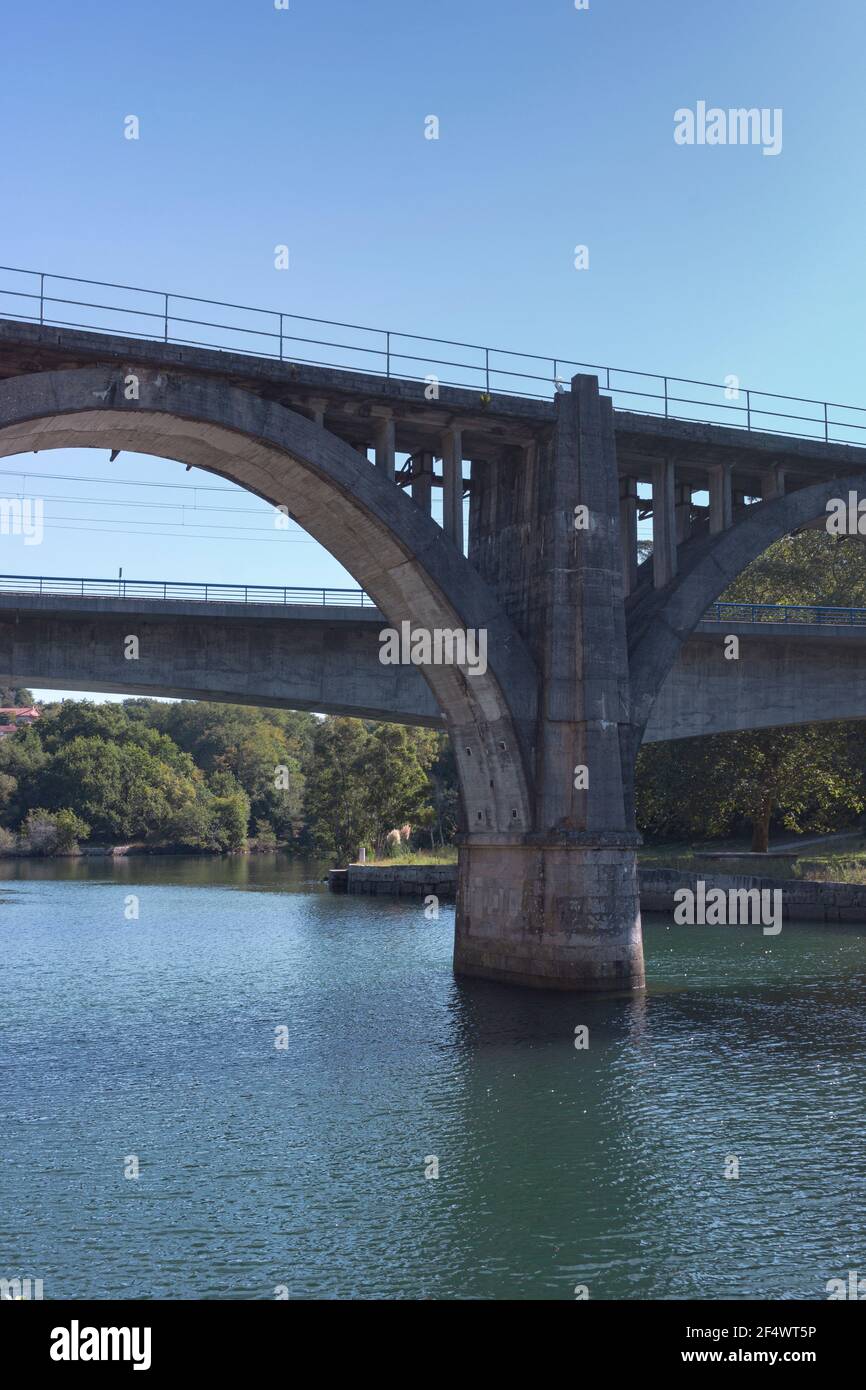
[(281, 337), (388, 353), (487, 370), (165, 320), (41, 298), (165, 590), (749, 411), (826, 425), (666, 397), (324, 600), (205, 593)]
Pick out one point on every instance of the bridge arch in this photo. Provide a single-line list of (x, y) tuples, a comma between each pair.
[(660, 623), (396, 552)]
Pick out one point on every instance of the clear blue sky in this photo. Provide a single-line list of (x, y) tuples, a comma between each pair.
[(306, 127)]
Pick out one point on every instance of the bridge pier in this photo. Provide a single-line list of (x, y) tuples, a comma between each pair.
[(558, 907)]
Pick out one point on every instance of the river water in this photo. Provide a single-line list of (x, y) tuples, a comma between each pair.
[(302, 1168)]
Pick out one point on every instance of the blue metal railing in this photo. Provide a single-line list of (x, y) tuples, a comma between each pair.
[(47, 299), (793, 613), (177, 591)]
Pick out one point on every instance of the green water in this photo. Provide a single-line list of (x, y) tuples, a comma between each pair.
[(304, 1167)]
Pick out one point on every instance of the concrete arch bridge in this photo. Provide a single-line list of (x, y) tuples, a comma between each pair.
[(586, 654)]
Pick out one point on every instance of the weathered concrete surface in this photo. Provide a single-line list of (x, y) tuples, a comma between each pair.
[(285, 658), (558, 908), (402, 880), (802, 900), (328, 661), (785, 675), (396, 553), (661, 621)]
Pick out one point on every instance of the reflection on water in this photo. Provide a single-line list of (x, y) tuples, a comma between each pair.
[(305, 1166)]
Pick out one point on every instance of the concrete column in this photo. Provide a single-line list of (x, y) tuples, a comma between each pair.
[(558, 908), (318, 408), (385, 448), (664, 523), (773, 484), (628, 533), (422, 482), (684, 513), (452, 486), (721, 507)]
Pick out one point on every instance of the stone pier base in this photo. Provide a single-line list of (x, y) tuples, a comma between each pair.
[(551, 915)]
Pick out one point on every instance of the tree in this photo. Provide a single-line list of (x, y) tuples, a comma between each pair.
[(366, 780), (122, 791), (15, 697), (53, 832), (809, 568), (810, 777), (337, 804), (262, 749), (395, 771)]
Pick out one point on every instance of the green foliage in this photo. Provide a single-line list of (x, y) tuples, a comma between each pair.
[(810, 567), (811, 777), (366, 780), (266, 838), (200, 775), (263, 750), (52, 832), (15, 696), (123, 791)]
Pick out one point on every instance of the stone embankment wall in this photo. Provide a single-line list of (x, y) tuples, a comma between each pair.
[(801, 899)]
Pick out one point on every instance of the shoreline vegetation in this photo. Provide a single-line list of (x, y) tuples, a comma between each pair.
[(146, 777)]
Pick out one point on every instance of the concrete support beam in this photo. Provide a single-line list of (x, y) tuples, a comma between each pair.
[(385, 450), (628, 507), (452, 486), (721, 505), (422, 482), (773, 484), (558, 908), (664, 523), (318, 406), (684, 512)]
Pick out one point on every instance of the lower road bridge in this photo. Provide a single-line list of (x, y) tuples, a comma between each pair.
[(319, 649), (587, 651)]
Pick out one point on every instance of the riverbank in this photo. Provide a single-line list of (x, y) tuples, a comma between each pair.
[(801, 899), (142, 849)]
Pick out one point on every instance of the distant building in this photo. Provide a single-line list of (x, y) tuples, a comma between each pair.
[(14, 717)]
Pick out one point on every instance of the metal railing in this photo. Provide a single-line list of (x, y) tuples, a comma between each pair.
[(45, 298), (177, 591), (318, 597), (793, 613)]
